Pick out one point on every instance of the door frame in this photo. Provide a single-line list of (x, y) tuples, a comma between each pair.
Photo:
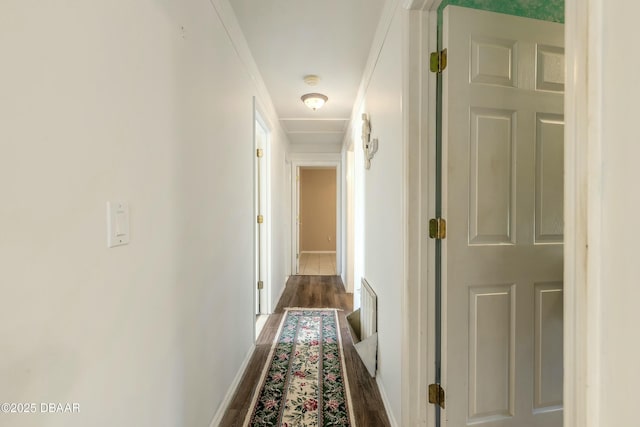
[(331, 161), (583, 177), (583, 207), (258, 118)]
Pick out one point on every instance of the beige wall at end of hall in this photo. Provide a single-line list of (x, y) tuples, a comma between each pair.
[(317, 209)]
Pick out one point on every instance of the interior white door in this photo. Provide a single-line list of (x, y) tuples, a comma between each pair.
[(261, 227), (502, 197)]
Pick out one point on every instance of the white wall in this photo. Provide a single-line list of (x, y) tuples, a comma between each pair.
[(146, 102), (384, 212)]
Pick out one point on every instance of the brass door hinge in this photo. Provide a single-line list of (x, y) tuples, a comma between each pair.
[(259, 152), (437, 228), (438, 61), (436, 395), (260, 219), (260, 284)]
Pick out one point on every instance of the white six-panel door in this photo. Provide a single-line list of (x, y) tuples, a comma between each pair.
[(503, 202)]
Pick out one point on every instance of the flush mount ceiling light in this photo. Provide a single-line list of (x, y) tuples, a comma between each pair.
[(314, 100)]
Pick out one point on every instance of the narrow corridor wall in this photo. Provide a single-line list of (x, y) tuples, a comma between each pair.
[(384, 211), (146, 102)]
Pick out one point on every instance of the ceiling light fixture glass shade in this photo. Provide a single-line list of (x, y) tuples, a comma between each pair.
[(314, 100)]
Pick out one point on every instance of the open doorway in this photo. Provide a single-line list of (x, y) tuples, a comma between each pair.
[(317, 224)]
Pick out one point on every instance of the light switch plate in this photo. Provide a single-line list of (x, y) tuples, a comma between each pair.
[(117, 224)]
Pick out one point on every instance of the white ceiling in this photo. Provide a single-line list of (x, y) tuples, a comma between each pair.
[(292, 38)]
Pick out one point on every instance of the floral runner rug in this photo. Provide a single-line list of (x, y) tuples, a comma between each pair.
[(304, 383)]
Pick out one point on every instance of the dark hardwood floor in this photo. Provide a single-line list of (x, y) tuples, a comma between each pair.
[(313, 292)]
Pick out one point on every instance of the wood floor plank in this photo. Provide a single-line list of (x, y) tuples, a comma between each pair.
[(312, 292)]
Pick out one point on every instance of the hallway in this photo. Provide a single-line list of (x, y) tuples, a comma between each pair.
[(127, 163), (316, 292)]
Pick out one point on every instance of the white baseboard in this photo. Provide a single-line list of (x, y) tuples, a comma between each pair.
[(217, 418), (387, 405), (317, 252)]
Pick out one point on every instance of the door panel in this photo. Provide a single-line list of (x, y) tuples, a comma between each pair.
[(549, 172), (550, 68), (491, 208), (493, 61), (491, 319), (548, 346), (502, 197)]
